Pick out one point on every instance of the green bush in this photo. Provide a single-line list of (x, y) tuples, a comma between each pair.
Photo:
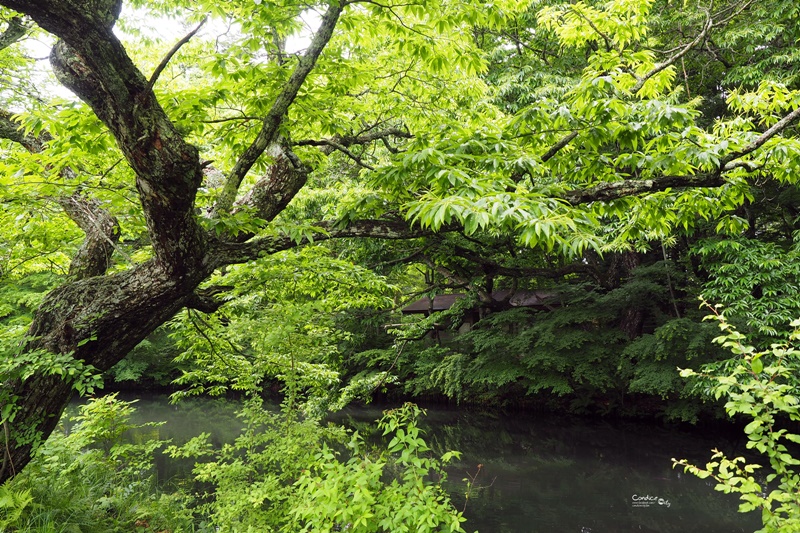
[(354, 495), (283, 473), (89, 480), (760, 386)]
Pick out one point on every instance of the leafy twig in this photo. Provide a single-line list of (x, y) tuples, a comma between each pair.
[(470, 481)]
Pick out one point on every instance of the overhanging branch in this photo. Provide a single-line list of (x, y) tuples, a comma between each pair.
[(729, 162), (229, 253), (343, 143), (207, 300), (11, 130), (494, 267), (564, 141), (699, 39), (15, 31), (618, 189), (614, 190), (360, 139), (458, 280)]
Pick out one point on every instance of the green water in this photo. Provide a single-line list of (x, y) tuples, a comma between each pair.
[(538, 473)]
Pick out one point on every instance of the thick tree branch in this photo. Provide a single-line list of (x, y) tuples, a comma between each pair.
[(228, 253), (360, 139), (618, 189), (11, 130), (14, 32), (342, 144), (89, 60), (207, 299), (494, 267), (564, 141), (283, 180), (346, 151), (102, 234), (459, 280), (167, 168), (270, 128), (99, 319), (614, 190), (729, 161)]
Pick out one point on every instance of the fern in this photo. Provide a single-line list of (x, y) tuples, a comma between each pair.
[(13, 504)]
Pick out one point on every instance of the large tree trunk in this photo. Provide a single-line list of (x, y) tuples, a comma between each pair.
[(41, 400), (96, 318)]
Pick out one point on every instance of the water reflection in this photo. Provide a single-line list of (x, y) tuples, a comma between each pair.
[(538, 473), (550, 474)]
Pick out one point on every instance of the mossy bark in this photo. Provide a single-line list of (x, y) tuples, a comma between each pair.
[(97, 317)]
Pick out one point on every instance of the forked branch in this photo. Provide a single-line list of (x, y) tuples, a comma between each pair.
[(699, 39), (271, 124), (729, 162)]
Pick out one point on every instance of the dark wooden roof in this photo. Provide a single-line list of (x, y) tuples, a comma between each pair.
[(543, 299), (440, 303)]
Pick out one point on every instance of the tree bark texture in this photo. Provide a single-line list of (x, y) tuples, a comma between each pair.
[(96, 317), (99, 318)]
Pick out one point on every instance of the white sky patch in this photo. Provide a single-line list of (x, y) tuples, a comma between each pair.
[(160, 29), (300, 41), (171, 29), (39, 49)]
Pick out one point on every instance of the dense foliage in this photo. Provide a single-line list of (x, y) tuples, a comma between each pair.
[(89, 479), (280, 474), (200, 204)]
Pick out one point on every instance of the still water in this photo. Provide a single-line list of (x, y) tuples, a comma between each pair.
[(538, 473)]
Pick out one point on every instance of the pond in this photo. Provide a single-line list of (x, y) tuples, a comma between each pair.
[(537, 473)]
